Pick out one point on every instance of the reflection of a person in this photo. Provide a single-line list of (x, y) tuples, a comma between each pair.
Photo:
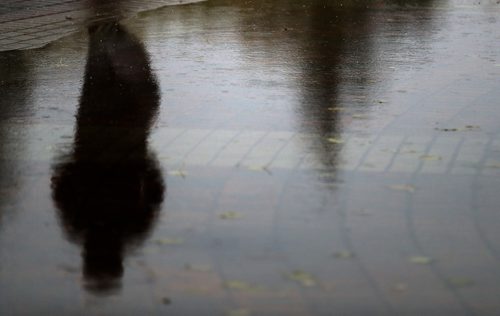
[(108, 191)]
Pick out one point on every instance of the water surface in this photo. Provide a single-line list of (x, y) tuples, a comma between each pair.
[(256, 158)]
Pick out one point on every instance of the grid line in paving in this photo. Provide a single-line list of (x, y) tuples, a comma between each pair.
[(411, 228), (462, 154), (31, 18)]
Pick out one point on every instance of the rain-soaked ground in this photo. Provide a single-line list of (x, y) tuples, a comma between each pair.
[(256, 158)]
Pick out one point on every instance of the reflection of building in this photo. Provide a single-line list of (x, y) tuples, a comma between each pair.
[(109, 189)]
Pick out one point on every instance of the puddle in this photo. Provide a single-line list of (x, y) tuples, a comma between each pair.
[(257, 158)]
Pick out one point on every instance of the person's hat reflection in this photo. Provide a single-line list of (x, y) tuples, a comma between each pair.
[(109, 188)]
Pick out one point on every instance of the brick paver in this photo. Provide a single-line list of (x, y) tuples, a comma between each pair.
[(28, 24), (394, 212)]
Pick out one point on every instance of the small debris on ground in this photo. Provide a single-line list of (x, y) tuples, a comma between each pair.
[(421, 260), (230, 215), (169, 241), (241, 286), (343, 254), (303, 278), (239, 312), (178, 173), (403, 187), (460, 282), (334, 140)]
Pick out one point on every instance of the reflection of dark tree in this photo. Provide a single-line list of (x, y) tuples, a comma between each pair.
[(15, 89), (338, 67), (334, 37), (108, 191), (332, 41)]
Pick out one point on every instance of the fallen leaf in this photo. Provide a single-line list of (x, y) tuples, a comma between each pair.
[(343, 254), (460, 282), (239, 312), (169, 241), (447, 129), (303, 278), (455, 129), (178, 173), (336, 109), (402, 187), (334, 140), (421, 260), (241, 286), (472, 127), (410, 151), (360, 116), (230, 215), (431, 158), (260, 169)]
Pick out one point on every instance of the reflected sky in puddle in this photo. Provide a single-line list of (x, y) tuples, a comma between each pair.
[(317, 158)]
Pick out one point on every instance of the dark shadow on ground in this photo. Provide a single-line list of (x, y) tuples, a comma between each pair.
[(109, 188)]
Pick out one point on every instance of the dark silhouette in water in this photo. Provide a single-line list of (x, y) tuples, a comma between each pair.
[(109, 188)]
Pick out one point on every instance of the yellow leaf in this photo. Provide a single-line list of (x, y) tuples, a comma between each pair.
[(403, 187), (469, 127), (343, 255), (178, 173), (360, 116), (460, 282), (169, 241), (334, 140), (303, 278), (421, 260), (241, 286), (239, 312), (260, 169), (230, 215), (336, 109)]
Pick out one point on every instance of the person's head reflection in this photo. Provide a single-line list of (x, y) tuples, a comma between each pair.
[(109, 189)]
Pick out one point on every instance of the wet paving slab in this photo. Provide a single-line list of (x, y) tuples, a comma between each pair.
[(256, 158), (29, 24)]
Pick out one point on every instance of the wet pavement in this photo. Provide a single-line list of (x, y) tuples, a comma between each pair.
[(255, 158)]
